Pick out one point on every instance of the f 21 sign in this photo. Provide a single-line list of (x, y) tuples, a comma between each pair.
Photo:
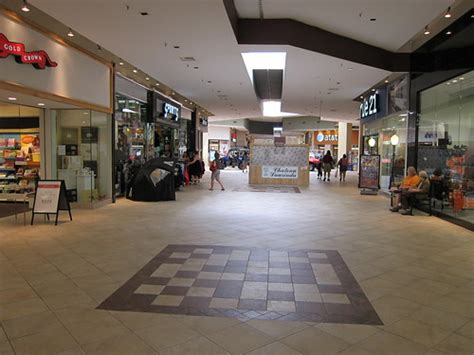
[(369, 106)]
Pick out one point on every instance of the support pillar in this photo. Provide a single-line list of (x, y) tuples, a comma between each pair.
[(345, 139)]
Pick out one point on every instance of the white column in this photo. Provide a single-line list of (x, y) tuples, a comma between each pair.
[(344, 136)]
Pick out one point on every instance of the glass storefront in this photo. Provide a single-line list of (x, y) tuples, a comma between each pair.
[(446, 144), (130, 137), (82, 149), (388, 137)]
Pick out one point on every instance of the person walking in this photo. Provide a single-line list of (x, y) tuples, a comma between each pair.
[(328, 163), (343, 164), (215, 172)]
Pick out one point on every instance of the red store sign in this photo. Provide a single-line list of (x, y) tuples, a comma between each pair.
[(39, 59)]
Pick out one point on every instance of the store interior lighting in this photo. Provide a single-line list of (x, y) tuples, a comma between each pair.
[(25, 7), (394, 140)]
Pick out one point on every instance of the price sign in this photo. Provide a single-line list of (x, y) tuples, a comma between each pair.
[(50, 198)]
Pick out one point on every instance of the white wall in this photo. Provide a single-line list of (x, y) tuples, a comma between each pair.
[(77, 75), (217, 132)]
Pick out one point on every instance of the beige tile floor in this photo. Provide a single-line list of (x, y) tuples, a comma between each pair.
[(418, 272)]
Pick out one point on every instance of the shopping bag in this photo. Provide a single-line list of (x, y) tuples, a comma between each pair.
[(335, 174)]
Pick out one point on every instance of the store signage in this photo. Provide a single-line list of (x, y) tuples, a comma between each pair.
[(369, 106), (170, 111), (280, 172), (50, 198), (39, 59), (326, 137), (369, 172)]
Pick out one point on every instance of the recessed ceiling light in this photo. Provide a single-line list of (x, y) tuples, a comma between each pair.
[(427, 32), (176, 47), (196, 67), (157, 84), (373, 90), (185, 100), (172, 93), (350, 68), (135, 70), (461, 78), (373, 19), (85, 113), (448, 13), (144, 13), (40, 104), (147, 78), (12, 98), (121, 63), (70, 33), (448, 83), (449, 33), (386, 81), (361, 96), (455, 81), (25, 7)]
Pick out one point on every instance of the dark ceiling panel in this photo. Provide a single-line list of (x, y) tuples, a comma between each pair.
[(268, 83)]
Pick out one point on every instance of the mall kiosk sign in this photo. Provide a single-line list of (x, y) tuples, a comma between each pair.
[(39, 59), (50, 198)]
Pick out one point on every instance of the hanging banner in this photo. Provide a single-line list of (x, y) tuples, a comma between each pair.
[(39, 59), (369, 173)]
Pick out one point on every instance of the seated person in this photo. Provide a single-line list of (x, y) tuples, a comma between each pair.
[(410, 181), (423, 188)]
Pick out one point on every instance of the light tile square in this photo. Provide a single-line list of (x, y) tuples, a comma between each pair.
[(177, 281), (273, 286), (227, 303), (209, 275), (166, 270), (203, 251), (281, 306), (200, 292), (149, 289), (232, 276), (166, 300), (279, 271), (180, 255)]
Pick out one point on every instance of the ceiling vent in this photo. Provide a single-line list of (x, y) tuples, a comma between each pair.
[(187, 59)]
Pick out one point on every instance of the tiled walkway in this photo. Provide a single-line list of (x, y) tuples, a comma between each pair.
[(416, 273)]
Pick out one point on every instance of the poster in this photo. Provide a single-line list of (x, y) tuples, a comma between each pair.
[(47, 197), (369, 174), (280, 172)]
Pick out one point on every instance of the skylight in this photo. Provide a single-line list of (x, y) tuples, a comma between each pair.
[(263, 60)]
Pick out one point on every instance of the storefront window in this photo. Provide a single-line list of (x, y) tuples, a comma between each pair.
[(20, 150), (130, 137), (83, 154), (388, 137), (446, 144)]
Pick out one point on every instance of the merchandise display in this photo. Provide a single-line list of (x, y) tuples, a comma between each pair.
[(19, 160)]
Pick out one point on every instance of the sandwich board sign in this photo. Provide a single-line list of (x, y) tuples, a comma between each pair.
[(50, 198)]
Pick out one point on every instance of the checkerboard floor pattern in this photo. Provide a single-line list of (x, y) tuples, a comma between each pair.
[(246, 283)]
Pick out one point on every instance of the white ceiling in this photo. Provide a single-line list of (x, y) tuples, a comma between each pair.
[(396, 20), (31, 101), (202, 30)]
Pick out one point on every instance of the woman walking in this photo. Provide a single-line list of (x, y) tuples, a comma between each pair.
[(328, 162), (343, 164), (215, 172)]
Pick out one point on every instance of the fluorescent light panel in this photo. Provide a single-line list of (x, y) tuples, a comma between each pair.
[(263, 60)]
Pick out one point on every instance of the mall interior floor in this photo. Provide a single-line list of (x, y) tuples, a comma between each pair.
[(416, 273)]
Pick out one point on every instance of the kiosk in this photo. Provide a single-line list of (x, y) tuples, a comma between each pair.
[(279, 165)]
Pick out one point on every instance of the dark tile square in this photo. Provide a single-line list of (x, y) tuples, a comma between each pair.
[(157, 280), (310, 307), (253, 305), (235, 269), (198, 302), (187, 274), (280, 296), (279, 264), (359, 311), (279, 278), (300, 266), (200, 256), (175, 290), (212, 268), (205, 283), (303, 279), (256, 277), (236, 263), (175, 261)]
